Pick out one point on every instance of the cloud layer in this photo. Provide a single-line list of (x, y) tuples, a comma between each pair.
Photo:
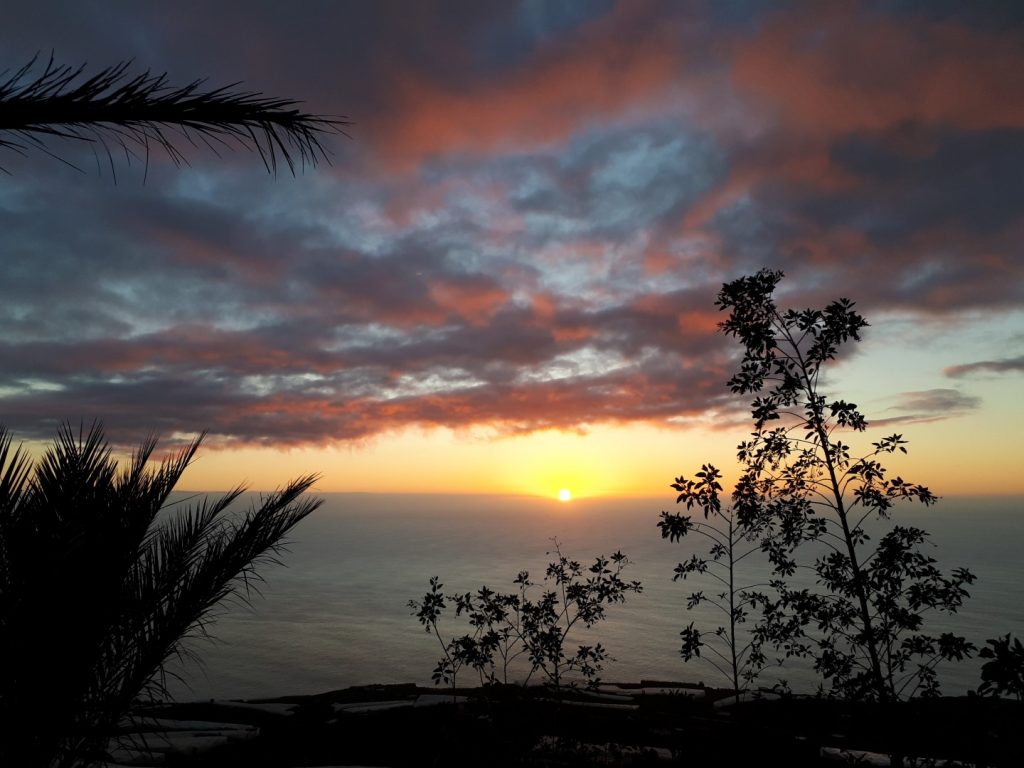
[(530, 223)]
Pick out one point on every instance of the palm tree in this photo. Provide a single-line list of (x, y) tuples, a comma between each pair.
[(135, 112), (101, 580)]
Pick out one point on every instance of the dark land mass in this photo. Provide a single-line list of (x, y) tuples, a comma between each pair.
[(651, 723)]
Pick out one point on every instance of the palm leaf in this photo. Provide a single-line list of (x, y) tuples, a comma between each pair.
[(135, 112)]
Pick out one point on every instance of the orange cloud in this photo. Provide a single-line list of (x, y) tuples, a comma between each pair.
[(475, 300), (840, 69), (826, 71), (698, 322), (601, 73)]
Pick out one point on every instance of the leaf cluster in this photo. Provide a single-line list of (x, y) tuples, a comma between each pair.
[(1003, 673)]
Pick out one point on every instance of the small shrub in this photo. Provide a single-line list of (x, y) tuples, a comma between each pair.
[(507, 626)]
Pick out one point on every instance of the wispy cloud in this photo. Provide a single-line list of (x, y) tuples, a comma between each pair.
[(929, 405), (1007, 365)]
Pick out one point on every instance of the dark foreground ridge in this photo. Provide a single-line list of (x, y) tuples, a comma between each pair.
[(647, 723)]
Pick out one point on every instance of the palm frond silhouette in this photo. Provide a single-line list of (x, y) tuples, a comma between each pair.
[(101, 582), (116, 109)]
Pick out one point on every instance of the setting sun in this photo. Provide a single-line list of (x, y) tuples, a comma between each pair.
[(564, 495)]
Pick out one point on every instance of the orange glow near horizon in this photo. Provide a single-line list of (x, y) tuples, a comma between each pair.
[(634, 460), (606, 461)]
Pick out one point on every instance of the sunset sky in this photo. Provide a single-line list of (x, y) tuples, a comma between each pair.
[(505, 281)]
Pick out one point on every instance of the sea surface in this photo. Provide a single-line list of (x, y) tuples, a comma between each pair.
[(336, 613)]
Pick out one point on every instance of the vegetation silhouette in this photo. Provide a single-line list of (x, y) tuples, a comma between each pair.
[(814, 506), (1003, 673), (802, 489), (101, 582), (738, 657), (506, 626), (136, 112)]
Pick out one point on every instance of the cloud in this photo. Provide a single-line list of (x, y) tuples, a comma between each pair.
[(930, 405), (530, 225), (882, 154), (351, 404), (601, 70), (1006, 365), (827, 69)]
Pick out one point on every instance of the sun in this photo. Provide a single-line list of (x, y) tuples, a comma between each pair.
[(564, 495)]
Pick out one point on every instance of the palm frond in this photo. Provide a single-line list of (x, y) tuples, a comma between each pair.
[(101, 583), (135, 112), (14, 472), (211, 562)]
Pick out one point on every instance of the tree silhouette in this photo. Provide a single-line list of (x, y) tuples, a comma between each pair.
[(114, 108), (806, 491), (101, 582)]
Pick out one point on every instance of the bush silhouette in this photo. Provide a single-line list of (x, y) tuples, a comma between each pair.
[(506, 626), (100, 583)]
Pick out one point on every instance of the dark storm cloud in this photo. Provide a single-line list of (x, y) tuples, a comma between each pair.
[(529, 224)]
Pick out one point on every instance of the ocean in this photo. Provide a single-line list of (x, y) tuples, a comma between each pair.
[(336, 614)]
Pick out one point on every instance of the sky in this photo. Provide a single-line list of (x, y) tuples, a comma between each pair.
[(504, 281)]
